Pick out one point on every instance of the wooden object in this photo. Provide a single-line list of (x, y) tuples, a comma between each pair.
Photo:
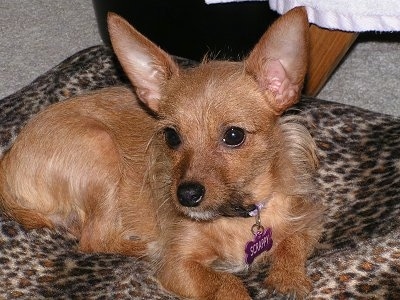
[(327, 48)]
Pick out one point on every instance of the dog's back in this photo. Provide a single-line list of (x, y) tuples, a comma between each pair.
[(75, 158)]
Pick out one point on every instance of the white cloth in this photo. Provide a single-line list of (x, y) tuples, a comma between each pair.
[(347, 15)]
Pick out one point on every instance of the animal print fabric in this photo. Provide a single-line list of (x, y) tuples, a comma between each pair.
[(358, 179)]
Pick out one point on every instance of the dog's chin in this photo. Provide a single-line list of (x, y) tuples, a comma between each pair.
[(230, 211), (201, 215)]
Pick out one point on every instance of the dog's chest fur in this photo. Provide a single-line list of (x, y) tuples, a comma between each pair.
[(220, 244)]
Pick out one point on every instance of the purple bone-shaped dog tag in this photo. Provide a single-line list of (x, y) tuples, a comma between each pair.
[(262, 242)]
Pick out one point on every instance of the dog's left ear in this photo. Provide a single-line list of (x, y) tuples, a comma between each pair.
[(279, 60), (148, 67)]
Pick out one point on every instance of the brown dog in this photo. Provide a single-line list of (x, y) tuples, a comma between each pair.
[(204, 180)]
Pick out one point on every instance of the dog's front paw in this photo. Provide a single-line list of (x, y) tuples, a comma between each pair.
[(295, 284)]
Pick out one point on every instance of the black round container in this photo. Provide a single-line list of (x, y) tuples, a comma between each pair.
[(191, 28)]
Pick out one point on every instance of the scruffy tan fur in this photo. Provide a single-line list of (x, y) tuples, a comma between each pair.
[(106, 167)]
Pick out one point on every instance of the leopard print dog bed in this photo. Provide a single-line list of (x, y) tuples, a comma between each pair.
[(359, 180)]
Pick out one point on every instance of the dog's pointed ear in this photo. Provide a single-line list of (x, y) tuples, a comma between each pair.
[(279, 60), (147, 66)]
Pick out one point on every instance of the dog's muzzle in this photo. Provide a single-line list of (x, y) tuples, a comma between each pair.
[(190, 194)]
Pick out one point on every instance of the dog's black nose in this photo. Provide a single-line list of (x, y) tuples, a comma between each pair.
[(190, 194)]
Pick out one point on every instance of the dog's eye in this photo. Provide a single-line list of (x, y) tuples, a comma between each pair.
[(172, 138), (234, 136)]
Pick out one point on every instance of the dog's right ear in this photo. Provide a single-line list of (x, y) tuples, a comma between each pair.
[(148, 67), (279, 60)]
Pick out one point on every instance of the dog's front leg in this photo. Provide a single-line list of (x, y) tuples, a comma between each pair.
[(194, 280), (287, 273)]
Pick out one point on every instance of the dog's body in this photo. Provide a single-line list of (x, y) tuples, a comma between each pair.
[(178, 180), (74, 181)]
